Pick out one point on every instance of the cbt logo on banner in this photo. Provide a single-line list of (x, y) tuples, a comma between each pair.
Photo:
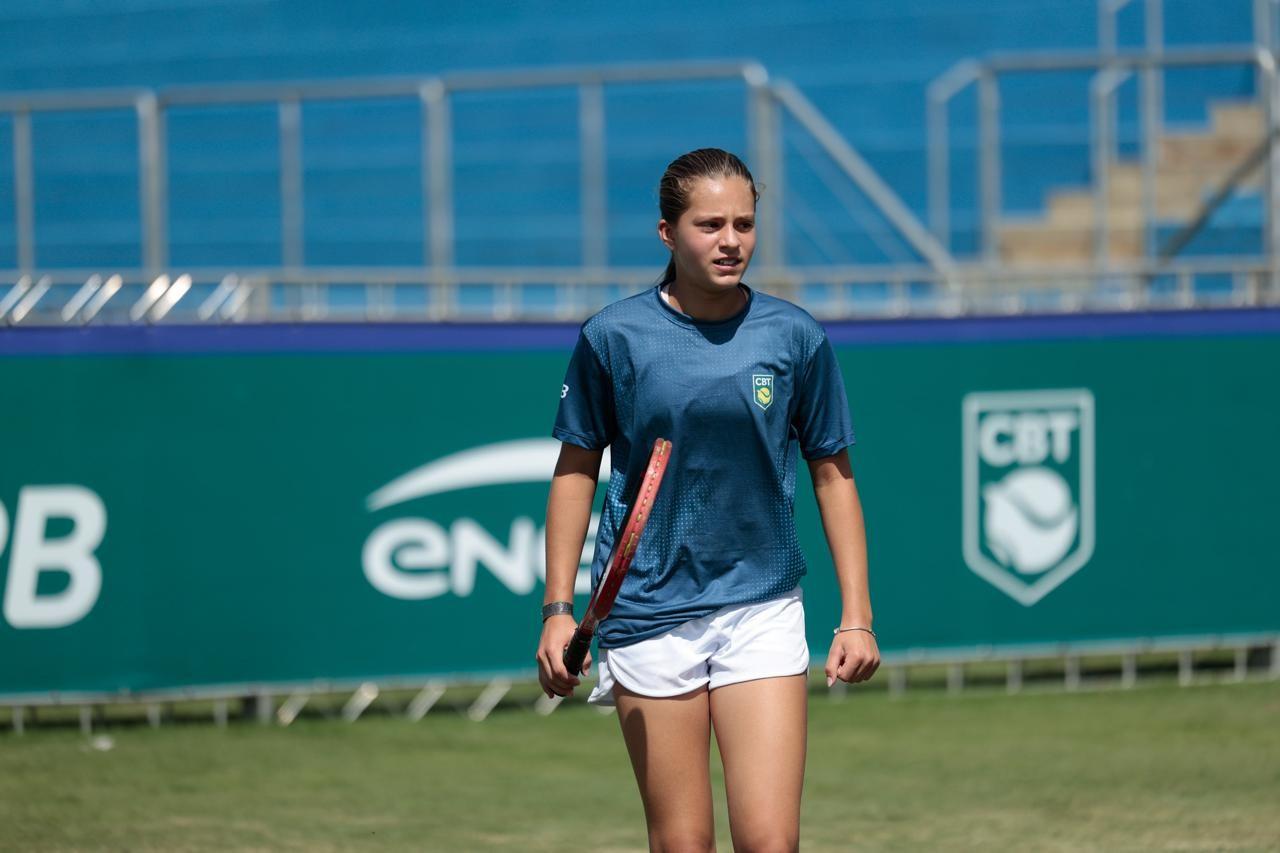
[(1028, 488)]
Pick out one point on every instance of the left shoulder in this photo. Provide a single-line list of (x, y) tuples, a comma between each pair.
[(777, 308), (790, 319)]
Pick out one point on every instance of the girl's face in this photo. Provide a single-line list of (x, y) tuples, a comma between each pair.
[(712, 241)]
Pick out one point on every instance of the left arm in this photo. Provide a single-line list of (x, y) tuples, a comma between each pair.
[(854, 655)]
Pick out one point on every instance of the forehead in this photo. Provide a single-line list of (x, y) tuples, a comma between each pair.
[(723, 195)]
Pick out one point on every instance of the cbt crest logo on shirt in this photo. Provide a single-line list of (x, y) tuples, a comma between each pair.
[(762, 389), (1028, 488)]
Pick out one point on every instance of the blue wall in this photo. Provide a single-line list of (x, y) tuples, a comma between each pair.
[(865, 65)]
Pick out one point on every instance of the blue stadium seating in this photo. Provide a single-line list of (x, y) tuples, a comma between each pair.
[(865, 65)]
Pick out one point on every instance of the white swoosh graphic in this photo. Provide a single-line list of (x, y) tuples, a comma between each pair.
[(525, 460)]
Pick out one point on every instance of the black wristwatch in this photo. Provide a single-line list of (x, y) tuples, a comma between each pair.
[(555, 608)]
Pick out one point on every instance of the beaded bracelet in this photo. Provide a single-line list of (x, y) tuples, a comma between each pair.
[(856, 628)]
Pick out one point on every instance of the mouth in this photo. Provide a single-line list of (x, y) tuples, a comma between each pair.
[(727, 264)]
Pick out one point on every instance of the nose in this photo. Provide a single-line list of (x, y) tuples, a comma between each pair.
[(729, 238)]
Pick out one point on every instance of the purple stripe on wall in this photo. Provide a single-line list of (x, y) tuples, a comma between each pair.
[(429, 337), (1129, 324)]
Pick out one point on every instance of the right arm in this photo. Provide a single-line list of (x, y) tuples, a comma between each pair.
[(573, 490)]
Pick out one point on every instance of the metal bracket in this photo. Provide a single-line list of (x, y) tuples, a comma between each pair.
[(359, 701), (289, 710), (488, 699), (424, 701)]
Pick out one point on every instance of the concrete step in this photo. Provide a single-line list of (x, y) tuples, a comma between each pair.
[(1035, 245), (1237, 119), (1206, 153)]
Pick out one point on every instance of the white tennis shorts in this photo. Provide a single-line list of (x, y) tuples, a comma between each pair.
[(741, 642)]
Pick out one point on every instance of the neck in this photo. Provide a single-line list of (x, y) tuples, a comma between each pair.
[(709, 307)]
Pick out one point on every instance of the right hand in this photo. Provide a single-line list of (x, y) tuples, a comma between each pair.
[(556, 680)]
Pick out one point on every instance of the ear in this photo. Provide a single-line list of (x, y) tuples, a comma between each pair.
[(665, 234)]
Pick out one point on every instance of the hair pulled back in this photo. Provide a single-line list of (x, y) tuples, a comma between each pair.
[(683, 172)]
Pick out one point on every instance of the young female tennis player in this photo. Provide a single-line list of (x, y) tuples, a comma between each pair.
[(708, 627)]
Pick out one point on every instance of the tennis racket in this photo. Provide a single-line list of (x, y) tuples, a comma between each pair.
[(624, 549)]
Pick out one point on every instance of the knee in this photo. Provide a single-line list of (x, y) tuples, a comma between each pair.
[(681, 841), (768, 841)]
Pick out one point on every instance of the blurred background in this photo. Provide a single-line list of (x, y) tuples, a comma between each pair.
[(287, 292)]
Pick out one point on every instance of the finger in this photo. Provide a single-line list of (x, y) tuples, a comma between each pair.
[(542, 680), (586, 664), (559, 670), (868, 669), (848, 668), (861, 668), (564, 679), (553, 673), (834, 658)]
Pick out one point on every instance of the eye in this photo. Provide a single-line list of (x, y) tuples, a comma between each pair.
[(746, 224), (710, 225)]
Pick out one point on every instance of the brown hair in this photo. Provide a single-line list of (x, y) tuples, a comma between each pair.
[(678, 180)]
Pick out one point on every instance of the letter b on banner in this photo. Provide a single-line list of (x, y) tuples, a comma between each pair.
[(72, 554)]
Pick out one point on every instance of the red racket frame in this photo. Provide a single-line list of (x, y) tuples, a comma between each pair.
[(624, 549)]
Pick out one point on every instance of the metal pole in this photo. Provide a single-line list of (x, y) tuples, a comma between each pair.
[(938, 130), (591, 129), (1272, 172), (989, 160), (24, 190), (1109, 46), (291, 223), (1262, 24), (1107, 41), (1264, 40), (766, 144), (1106, 120), (1101, 167), (439, 174), (1263, 37), (939, 142), (151, 171), (1152, 120)]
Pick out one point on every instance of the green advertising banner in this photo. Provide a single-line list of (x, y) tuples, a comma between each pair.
[(276, 505)]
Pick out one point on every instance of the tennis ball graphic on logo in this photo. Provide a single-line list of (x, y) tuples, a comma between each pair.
[(1031, 519), (765, 395)]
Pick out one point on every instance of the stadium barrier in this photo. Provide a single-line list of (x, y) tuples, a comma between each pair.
[(213, 511)]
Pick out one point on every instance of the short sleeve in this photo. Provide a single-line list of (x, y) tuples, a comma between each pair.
[(821, 421), (586, 415)]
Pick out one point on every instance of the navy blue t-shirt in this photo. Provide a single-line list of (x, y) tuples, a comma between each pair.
[(735, 397)]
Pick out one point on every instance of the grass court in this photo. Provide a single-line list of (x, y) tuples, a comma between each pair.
[(1156, 768)]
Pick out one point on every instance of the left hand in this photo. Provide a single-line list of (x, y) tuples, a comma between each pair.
[(854, 657)]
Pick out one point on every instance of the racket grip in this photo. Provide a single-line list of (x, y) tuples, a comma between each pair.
[(577, 650)]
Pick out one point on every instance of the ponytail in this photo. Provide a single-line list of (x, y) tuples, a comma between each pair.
[(670, 274)]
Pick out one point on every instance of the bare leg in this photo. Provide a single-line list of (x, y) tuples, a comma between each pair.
[(670, 744), (762, 727)]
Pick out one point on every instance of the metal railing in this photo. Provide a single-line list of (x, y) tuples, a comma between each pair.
[(766, 104), (508, 294), (1110, 69), (282, 703), (439, 289)]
